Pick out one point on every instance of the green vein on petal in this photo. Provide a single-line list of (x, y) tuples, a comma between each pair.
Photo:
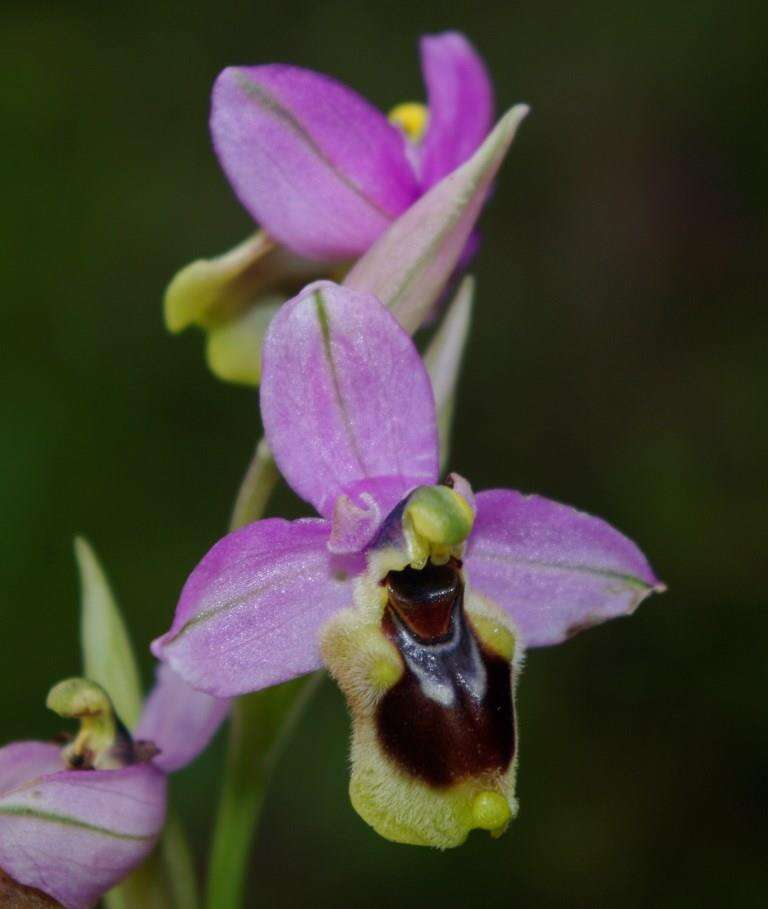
[(607, 573), (49, 817), (325, 329), (267, 101), (416, 239)]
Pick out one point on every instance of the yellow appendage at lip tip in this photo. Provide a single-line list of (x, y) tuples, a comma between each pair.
[(412, 117), (490, 811)]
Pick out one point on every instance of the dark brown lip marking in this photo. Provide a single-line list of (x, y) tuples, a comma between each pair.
[(451, 716)]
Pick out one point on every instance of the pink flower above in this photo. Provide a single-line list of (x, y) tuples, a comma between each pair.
[(322, 170)]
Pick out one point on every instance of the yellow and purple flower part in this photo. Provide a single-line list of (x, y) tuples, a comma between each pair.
[(324, 172), (326, 176), (419, 597), (74, 821)]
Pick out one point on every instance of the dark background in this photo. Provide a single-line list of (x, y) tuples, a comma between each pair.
[(618, 362)]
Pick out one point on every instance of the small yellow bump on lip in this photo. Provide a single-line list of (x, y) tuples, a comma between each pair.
[(412, 118), (385, 672), (490, 811)]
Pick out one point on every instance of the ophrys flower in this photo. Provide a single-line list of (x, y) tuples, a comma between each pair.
[(326, 175), (74, 821), (421, 597)]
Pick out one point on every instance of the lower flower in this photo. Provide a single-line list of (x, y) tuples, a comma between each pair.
[(419, 597), (74, 821)]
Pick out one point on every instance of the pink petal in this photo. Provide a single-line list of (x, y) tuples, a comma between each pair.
[(460, 98), (179, 720), (75, 834), (408, 267), (347, 404), (23, 761), (556, 570), (250, 613), (314, 163)]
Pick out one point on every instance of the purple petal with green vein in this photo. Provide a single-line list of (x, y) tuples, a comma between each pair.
[(347, 405), (75, 834), (556, 570), (250, 613), (317, 166), (408, 267)]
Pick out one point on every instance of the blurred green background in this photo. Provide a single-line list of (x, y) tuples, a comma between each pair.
[(618, 362)]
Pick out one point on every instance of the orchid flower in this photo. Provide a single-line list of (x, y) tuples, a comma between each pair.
[(325, 174), (420, 598), (322, 170), (76, 821)]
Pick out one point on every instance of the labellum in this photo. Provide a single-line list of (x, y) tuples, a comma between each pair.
[(429, 672)]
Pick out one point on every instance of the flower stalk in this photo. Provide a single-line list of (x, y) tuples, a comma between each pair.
[(260, 724)]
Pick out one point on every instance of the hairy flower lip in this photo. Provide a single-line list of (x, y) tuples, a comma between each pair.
[(350, 416)]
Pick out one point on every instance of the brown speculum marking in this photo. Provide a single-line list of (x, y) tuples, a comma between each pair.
[(451, 716)]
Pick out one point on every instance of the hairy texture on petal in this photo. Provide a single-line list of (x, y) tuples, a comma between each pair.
[(75, 834), (316, 165), (556, 570), (23, 761), (250, 612), (179, 720), (460, 100), (409, 266), (346, 401)]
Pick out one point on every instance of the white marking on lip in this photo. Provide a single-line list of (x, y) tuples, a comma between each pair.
[(474, 681)]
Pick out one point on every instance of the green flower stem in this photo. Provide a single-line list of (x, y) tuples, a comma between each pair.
[(258, 483), (179, 865), (261, 723), (145, 887)]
